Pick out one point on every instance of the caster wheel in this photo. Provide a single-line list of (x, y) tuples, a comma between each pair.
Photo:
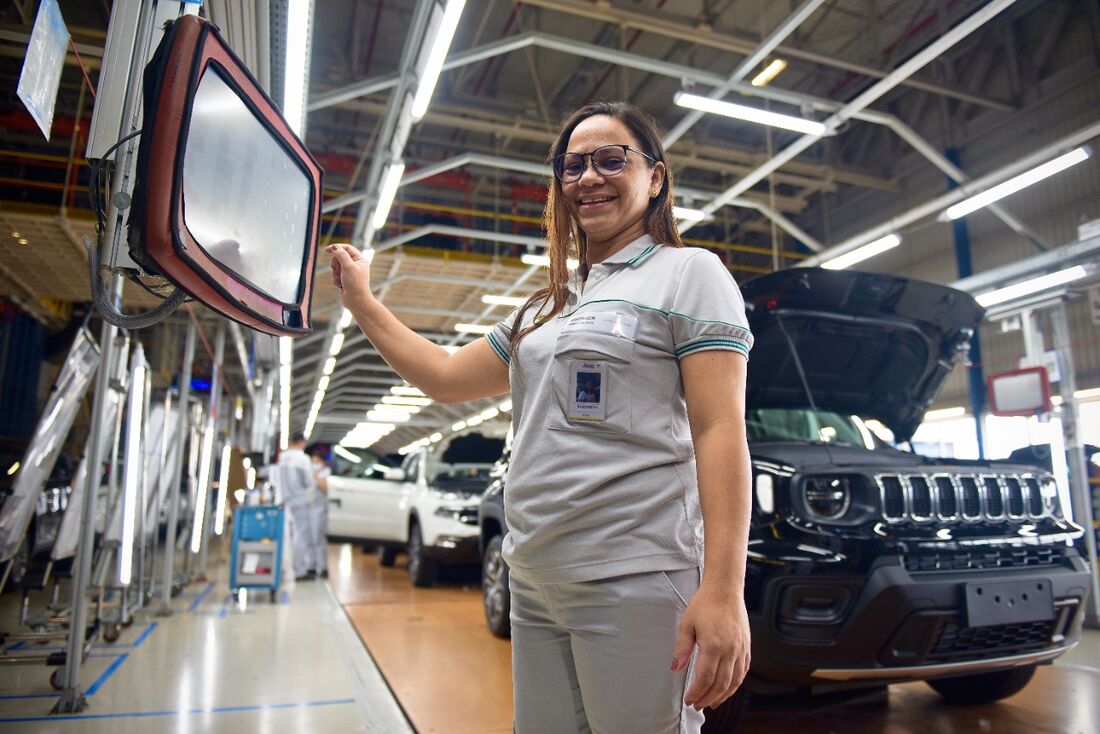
[(274, 595), (57, 679), (111, 632), (128, 623)]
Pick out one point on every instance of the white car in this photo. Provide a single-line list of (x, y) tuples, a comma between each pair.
[(427, 507)]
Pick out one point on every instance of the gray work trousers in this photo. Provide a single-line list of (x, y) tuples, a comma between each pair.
[(594, 656)]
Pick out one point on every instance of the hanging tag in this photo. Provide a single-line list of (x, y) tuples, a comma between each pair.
[(587, 390)]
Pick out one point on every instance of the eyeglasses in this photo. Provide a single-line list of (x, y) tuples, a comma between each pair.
[(608, 160)]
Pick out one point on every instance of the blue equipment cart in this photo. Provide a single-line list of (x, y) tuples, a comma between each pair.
[(257, 549)]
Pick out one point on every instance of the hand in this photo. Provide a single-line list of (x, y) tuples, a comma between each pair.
[(350, 273), (718, 624)]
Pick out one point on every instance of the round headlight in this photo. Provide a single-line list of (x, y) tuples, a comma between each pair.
[(827, 497)]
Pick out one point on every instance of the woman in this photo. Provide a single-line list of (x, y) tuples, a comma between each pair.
[(614, 628)]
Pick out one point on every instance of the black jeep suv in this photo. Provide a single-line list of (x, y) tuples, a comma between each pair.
[(867, 564)]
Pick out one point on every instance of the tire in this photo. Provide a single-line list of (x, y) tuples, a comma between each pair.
[(111, 632), (421, 569), (496, 598), (984, 687), (728, 715), (386, 555)]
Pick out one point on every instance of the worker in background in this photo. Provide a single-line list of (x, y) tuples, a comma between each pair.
[(318, 510), (296, 483)]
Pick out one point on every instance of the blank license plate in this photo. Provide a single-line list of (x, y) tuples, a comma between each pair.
[(1009, 602)]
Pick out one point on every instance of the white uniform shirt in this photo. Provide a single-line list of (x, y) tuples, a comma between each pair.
[(295, 476), (602, 478)]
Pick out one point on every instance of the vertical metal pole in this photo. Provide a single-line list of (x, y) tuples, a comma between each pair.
[(1078, 471), (975, 378), (183, 423), (71, 699), (214, 419)]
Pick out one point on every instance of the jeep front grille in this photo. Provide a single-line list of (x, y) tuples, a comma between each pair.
[(937, 497)]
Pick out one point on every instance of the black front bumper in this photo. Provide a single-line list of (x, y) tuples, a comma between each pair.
[(822, 624), (454, 550)]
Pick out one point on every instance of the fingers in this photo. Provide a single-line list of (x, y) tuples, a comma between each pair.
[(685, 642), (739, 672), (352, 253), (706, 677)]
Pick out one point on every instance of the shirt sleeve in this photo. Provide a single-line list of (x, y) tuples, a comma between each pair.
[(708, 311), (500, 336)]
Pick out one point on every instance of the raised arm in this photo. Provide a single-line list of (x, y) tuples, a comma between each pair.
[(474, 371)]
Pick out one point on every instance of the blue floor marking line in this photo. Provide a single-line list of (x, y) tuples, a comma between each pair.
[(182, 712), (145, 635), (21, 696), (106, 674), (19, 645), (201, 597)]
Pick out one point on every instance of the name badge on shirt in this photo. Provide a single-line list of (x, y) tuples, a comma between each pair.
[(622, 325), (587, 390)]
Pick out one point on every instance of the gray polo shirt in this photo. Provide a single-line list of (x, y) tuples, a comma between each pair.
[(602, 479)]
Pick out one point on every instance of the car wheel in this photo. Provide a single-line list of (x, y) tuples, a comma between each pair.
[(421, 569), (386, 555), (727, 716), (494, 589), (983, 687)]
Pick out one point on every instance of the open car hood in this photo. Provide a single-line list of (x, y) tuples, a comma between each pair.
[(877, 346)]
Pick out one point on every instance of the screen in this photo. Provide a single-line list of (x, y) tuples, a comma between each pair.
[(245, 200)]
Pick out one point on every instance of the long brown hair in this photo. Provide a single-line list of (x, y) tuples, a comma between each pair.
[(564, 234)]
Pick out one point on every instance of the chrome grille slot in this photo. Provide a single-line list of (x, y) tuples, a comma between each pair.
[(1014, 496), (947, 497), (893, 497), (994, 499), (1034, 497), (971, 498), (920, 497)]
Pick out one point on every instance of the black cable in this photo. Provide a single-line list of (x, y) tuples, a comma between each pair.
[(802, 376)]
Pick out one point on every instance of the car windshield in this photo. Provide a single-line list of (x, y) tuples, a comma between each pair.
[(804, 424), (465, 465)]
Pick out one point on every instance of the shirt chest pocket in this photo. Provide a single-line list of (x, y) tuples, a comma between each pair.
[(592, 383)]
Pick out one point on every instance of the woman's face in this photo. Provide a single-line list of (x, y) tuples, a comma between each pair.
[(606, 206)]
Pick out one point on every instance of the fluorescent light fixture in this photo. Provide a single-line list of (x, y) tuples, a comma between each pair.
[(341, 451), (474, 420), (322, 384), (689, 215), (13, 468), (250, 478), (337, 343), (945, 413), (294, 79), (375, 416), (223, 489), (749, 114), (506, 406), (515, 301), (329, 366), (489, 413), (435, 437), (133, 474), (345, 320), (441, 43), (1016, 183), (1033, 285), (450, 348), (865, 252), (390, 181), (407, 390), (458, 426), (405, 400), (286, 350), (203, 486), (473, 328), (544, 261), (386, 407), (771, 71)]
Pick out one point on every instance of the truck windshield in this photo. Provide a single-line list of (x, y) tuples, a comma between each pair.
[(803, 424)]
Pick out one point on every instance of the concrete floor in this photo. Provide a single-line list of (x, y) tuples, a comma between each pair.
[(216, 665)]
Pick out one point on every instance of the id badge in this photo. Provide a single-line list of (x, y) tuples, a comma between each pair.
[(587, 390)]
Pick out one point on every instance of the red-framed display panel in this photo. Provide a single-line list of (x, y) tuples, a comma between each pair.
[(1044, 382)]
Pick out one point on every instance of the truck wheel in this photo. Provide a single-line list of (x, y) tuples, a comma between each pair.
[(494, 589), (421, 569), (728, 715), (983, 687), (386, 555)]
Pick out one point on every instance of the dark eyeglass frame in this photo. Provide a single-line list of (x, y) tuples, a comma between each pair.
[(588, 159)]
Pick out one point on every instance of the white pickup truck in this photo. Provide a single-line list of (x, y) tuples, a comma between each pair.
[(426, 508)]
